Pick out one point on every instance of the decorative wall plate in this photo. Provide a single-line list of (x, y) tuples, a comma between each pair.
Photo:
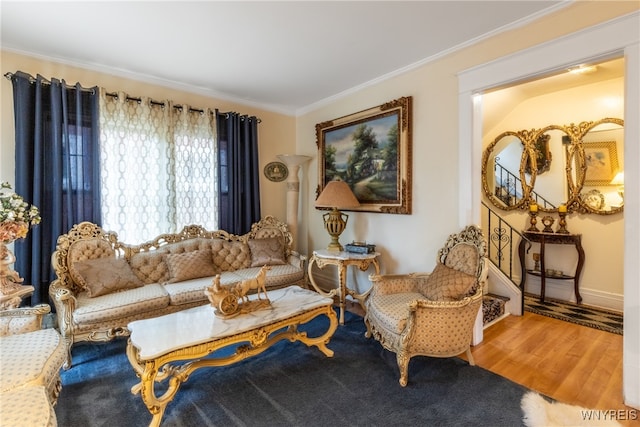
[(276, 171), (594, 199)]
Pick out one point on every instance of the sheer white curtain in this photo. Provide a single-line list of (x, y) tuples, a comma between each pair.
[(158, 167)]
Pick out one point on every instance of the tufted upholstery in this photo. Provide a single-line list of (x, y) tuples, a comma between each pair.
[(431, 314), (30, 362), (173, 268)]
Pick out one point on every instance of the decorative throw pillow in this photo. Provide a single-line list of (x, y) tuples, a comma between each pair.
[(189, 265), (103, 276), (268, 251), (447, 284)]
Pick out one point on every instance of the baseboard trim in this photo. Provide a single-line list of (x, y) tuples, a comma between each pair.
[(593, 297)]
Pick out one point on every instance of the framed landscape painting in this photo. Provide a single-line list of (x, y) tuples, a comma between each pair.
[(371, 151)]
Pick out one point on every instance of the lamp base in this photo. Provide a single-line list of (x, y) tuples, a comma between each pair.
[(335, 223)]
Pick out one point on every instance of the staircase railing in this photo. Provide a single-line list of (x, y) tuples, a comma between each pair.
[(501, 247), (509, 183)]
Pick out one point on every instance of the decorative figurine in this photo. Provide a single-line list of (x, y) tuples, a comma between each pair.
[(547, 221), (536, 260), (230, 301)]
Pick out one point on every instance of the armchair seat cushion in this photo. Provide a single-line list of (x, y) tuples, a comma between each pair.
[(27, 406), (32, 358), (391, 312), (119, 304)]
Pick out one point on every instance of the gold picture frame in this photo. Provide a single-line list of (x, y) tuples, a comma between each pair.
[(601, 161), (371, 151)]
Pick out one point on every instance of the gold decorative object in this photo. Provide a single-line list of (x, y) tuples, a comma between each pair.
[(562, 223), (335, 195), (230, 301), (15, 218), (536, 260), (547, 221), (533, 212), (512, 187)]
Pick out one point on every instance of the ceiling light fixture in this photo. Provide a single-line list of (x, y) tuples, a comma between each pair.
[(583, 69)]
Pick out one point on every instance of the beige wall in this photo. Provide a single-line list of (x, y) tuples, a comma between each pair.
[(276, 132), (410, 242)]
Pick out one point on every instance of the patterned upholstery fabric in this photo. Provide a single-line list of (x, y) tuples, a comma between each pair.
[(26, 407), (84, 250), (447, 284), (463, 257), (119, 304), (32, 358), (278, 277), (391, 312), (190, 291), (431, 314), (103, 276), (267, 252), (150, 266), (230, 256), (189, 265)]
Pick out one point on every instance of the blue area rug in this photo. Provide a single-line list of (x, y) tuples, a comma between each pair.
[(293, 385)]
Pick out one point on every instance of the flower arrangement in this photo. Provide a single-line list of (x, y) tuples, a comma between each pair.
[(15, 215)]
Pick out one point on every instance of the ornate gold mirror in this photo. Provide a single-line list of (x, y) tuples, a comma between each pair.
[(580, 166)]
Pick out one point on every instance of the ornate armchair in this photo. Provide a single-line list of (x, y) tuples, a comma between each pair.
[(431, 314)]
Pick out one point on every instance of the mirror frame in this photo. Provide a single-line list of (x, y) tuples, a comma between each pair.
[(575, 162)]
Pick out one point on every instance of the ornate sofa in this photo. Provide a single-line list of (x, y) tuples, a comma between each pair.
[(431, 314), (103, 284), (30, 362)]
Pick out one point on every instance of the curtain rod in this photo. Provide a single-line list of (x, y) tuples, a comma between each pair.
[(161, 103), (9, 76)]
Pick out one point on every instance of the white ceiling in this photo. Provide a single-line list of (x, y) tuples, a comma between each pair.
[(281, 56)]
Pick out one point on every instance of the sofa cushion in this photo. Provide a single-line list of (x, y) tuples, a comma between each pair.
[(277, 277), (447, 284), (119, 304), (28, 406), (32, 358), (103, 276), (83, 250), (190, 291), (230, 256), (189, 265), (150, 267), (267, 252)]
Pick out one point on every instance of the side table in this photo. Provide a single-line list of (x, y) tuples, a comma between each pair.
[(342, 260), (555, 239)]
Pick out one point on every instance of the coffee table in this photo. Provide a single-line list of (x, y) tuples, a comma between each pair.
[(169, 348)]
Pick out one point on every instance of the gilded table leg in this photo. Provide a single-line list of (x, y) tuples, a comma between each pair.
[(321, 341), (149, 375)]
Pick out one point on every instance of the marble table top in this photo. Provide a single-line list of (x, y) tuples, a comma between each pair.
[(160, 335)]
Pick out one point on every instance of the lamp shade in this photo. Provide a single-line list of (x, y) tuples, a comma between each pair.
[(618, 179), (337, 194)]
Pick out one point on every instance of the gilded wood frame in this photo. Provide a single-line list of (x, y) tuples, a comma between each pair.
[(360, 149)]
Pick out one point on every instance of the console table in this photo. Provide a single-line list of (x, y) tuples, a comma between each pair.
[(342, 260), (551, 239)]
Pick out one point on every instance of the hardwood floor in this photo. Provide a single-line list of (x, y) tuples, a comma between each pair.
[(570, 363)]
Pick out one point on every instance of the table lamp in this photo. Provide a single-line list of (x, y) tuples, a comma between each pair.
[(619, 181), (336, 194)]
